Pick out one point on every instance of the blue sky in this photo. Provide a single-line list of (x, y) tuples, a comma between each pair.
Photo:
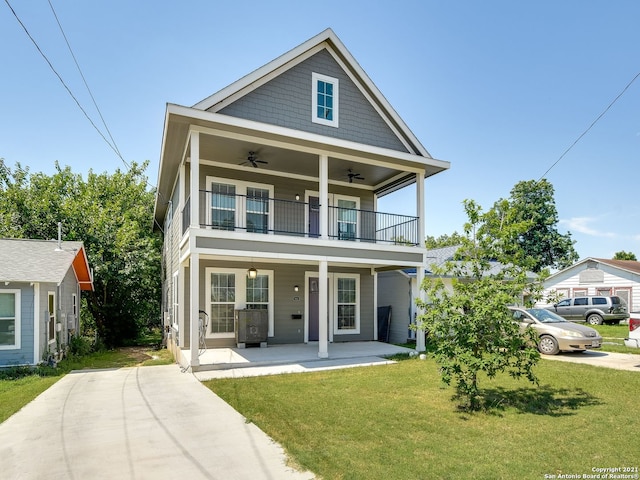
[(498, 88)]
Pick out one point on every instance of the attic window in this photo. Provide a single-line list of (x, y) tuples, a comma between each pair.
[(325, 100)]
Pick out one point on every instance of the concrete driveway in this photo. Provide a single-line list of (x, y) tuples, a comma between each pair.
[(136, 423), (618, 361)]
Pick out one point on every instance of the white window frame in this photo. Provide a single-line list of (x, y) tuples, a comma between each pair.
[(315, 77), (240, 219), (334, 198), (17, 324), (336, 329), (51, 318), (241, 295)]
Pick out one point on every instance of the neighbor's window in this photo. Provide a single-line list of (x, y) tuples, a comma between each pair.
[(347, 317), (10, 319), (325, 100), (52, 317), (223, 300)]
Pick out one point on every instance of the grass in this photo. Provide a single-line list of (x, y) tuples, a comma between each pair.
[(398, 422), (18, 386), (613, 338)]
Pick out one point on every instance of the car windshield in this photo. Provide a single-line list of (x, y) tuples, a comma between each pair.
[(545, 316)]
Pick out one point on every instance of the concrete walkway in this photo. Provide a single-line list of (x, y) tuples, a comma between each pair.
[(136, 423), (618, 361)]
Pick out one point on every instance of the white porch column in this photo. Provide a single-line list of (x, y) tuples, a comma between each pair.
[(420, 207), (375, 304), (420, 345), (194, 293), (194, 180), (324, 196), (323, 314)]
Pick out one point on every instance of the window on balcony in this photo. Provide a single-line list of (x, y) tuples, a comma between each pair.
[(223, 206), (236, 205), (347, 219)]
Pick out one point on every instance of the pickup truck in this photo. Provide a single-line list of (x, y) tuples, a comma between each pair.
[(633, 340)]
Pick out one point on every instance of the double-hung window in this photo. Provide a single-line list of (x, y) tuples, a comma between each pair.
[(325, 100), (223, 206), (257, 293), (223, 301), (9, 319), (347, 292)]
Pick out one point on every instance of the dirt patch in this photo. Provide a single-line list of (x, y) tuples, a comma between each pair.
[(139, 354)]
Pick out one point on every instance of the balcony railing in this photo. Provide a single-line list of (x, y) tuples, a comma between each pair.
[(262, 215)]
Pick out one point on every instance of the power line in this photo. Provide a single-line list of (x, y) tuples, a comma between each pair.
[(591, 126), (46, 59), (95, 104)]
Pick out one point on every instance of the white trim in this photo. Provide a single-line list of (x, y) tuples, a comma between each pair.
[(17, 323), (335, 96), (336, 277), (37, 355), (240, 297), (175, 299), (335, 204)]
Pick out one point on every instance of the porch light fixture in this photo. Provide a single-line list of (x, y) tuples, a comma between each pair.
[(296, 288), (252, 273), (297, 197)]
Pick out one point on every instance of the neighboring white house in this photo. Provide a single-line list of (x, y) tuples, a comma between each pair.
[(268, 197), (40, 286), (596, 276)]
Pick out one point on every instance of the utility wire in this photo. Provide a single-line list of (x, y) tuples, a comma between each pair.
[(591, 126), (95, 104), (46, 59)]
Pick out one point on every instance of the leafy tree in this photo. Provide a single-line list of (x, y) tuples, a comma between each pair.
[(112, 215), (622, 255), (445, 240), (470, 327), (533, 202)]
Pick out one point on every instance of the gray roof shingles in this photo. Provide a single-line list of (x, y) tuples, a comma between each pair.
[(36, 260)]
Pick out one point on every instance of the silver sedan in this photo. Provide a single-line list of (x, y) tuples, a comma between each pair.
[(555, 334)]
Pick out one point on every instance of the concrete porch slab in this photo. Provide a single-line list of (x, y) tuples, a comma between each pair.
[(291, 358)]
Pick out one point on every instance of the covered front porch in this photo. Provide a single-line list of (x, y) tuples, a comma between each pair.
[(287, 358)]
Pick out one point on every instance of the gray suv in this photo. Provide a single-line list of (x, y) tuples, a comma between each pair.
[(594, 310)]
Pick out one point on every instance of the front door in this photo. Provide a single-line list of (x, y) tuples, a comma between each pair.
[(314, 217), (314, 323)]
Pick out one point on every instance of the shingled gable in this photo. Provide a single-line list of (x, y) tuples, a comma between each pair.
[(324, 43), (42, 261)]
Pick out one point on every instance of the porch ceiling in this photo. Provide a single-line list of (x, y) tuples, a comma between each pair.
[(228, 141)]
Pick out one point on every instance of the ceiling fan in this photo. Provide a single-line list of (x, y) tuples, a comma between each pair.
[(353, 176), (252, 159)]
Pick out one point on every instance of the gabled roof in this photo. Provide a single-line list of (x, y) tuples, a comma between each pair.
[(325, 40), (630, 266), (43, 262)]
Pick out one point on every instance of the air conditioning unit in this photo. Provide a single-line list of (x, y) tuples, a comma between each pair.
[(251, 327)]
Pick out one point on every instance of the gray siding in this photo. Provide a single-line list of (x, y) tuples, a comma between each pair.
[(286, 101), (395, 289)]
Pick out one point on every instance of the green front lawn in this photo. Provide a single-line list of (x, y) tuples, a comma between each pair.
[(397, 422)]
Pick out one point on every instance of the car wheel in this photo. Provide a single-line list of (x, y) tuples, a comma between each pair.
[(594, 319), (548, 345)]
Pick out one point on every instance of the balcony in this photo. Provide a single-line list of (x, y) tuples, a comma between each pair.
[(262, 215)]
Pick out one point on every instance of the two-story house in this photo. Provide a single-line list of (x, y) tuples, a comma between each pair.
[(268, 198)]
